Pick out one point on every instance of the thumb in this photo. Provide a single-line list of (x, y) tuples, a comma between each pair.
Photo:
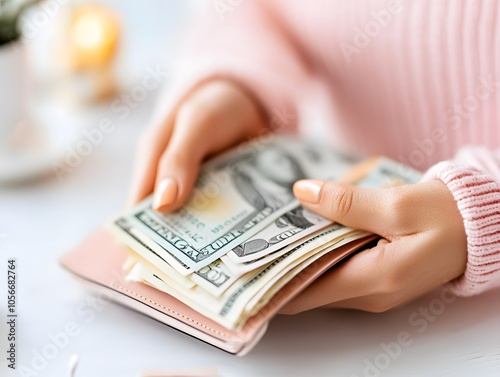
[(179, 164), (176, 176), (352, 206)]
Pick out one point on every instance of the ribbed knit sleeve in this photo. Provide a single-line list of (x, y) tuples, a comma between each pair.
[(247, 44), (477, 193)]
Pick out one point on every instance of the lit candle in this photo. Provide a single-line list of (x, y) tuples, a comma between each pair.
[(93, 36)]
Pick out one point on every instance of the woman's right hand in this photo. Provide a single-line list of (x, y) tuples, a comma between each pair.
[(215, 117)]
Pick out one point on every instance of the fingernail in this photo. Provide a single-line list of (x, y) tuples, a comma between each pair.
[(165, 194), (308, 190)]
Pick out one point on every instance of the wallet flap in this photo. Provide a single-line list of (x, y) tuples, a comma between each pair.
[(99, 259)]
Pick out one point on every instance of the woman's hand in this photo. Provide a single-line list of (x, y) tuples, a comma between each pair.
[(214, 117), (424, 244)]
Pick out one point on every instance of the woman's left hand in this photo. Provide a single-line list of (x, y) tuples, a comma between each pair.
[(424, 244)]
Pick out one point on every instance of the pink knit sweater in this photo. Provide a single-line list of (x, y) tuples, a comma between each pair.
[(418, 81)]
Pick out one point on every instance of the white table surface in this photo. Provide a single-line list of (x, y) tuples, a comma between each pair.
[(43, 220)]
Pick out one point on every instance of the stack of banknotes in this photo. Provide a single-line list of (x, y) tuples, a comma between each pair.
[(242, 235)]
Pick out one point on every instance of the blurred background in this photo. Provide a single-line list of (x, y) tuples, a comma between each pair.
[(66, 66), (78, 84)]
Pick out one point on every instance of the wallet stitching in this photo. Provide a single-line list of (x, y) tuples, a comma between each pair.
[(170, 310)]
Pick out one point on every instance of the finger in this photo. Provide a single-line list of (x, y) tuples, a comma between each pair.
[(377, 303), (410, 267), (355, 207), (363, 274), (149, 151), (179, 164), (364, 303), (215, 118), (373, 303), (176, 177)]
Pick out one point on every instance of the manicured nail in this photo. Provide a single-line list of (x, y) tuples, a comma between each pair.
[(308, 190), (165, 194)]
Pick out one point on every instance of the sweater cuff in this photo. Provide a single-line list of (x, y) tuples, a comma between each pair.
[(275, 98), (478, 199)]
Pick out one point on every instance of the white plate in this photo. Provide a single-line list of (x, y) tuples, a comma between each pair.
[(38, 143)]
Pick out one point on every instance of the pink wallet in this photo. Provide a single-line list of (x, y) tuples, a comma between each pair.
[(108, 278)]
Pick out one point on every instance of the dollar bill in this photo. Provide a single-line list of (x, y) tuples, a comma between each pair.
[(263, 297), (196, 297), (138, 249), (245, 267), (230, 309), (216, 278), (288, 228), (242, 236), (384, 172), (237, 195), (234, 308), (300, 223), (147, 248)]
